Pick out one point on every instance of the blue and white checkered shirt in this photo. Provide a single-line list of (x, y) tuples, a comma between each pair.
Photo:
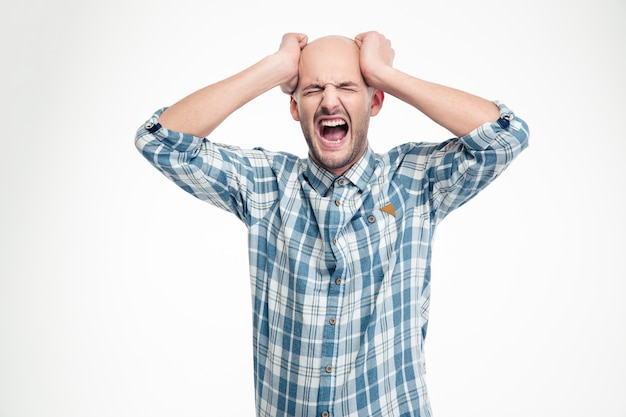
[(339, 266)]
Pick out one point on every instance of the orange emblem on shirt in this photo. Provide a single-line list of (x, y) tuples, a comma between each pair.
[(389, 209)]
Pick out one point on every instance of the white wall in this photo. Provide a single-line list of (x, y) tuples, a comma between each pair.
[(120, 295)]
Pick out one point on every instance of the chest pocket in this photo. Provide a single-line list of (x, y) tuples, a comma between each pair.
[(375, 235)]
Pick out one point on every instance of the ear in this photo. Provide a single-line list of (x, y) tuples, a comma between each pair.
[(377, 101), (293, 108)]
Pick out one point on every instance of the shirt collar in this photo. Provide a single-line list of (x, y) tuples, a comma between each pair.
[(359, 174)]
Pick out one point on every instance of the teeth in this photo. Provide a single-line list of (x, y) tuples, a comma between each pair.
[(333, 123)]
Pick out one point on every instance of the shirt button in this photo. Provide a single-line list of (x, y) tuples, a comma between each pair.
[(332, 321), (334, 241), (337, 203), (342, 182), (329, 369), (371, 219), (149, 125), (338, 281), (325, 414)]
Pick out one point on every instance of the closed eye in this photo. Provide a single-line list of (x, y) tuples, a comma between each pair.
[(312, 90), (348, 86), (316, 88)]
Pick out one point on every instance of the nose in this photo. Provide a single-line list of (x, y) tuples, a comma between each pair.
[(330, 99)]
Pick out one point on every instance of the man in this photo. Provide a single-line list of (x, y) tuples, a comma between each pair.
[(339, 243)]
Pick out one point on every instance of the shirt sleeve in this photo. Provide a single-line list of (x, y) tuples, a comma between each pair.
[(242, 182), (459, 168)]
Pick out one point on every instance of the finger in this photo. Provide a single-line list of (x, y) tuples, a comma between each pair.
[(360, 38), (302, 40)]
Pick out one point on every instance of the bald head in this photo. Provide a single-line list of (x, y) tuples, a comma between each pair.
[(331, 42), (331, 59)]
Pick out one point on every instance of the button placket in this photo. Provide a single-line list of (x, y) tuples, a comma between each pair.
[(336, 218)]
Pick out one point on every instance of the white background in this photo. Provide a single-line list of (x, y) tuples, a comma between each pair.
[(121, 295)]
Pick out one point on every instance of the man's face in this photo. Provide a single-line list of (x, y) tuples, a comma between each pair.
[(333, 103)]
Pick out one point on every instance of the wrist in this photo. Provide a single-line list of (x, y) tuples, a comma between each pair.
[(379, 77), (282, 71)]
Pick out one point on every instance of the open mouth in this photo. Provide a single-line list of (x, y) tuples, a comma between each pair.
[(333, 130)]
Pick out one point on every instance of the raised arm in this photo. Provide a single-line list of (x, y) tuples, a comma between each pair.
[(201, 112), (455, 110)]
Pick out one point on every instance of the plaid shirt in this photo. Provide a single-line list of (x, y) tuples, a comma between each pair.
[(339, 266)]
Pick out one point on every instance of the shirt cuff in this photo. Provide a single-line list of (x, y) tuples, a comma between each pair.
[(179, 141), (484, 136)]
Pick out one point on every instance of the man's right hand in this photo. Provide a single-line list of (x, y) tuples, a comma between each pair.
[(202, 111), (290, 48)]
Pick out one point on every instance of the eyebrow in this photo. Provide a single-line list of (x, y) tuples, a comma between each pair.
[(315, 86)]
